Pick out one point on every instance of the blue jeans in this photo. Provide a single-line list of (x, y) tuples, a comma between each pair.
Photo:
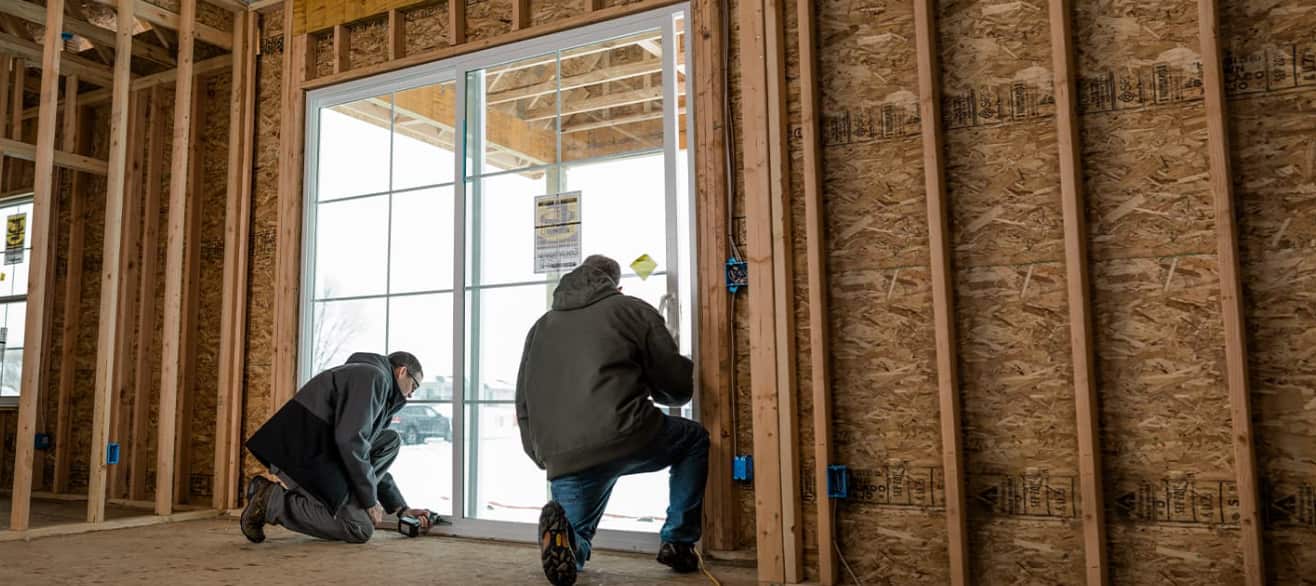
[(682, 445)]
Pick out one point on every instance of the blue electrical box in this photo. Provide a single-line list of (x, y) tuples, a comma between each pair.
[(742, 468), (43, 441), (737, 274), (838, 482), (112, 453)]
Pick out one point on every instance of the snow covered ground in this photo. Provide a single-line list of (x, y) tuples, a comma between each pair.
[(511, 487)]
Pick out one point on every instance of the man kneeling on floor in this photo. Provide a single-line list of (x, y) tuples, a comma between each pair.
[(330, 449), (589, 368)]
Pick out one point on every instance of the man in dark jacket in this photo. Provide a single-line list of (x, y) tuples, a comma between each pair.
[(330, 449), (588, 372)]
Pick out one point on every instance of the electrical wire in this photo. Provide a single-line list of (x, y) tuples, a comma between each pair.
[(703, 568), (836, 543)]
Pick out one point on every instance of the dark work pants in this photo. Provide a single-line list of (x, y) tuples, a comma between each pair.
[(297, 510)]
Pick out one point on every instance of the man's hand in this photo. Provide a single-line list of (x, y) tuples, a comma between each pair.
[(376, 514), (422, 515)]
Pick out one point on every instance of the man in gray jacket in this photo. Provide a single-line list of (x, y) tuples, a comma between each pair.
[(588, 372), (331, 449)]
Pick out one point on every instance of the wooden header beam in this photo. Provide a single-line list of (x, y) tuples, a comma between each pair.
[(1231, 293), (43, 190), (1079, 294), (943, 300)]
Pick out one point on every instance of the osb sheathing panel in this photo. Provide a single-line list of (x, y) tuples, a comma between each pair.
[(1164, 415), (546, 11), (884, 389), (487, 18), (426, 27), (260, 295), (368, 42), (1271, 80)]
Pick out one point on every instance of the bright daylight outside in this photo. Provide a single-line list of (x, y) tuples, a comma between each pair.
[(587, 120)]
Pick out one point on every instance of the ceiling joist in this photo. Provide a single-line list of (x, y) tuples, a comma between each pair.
[(78, 25)]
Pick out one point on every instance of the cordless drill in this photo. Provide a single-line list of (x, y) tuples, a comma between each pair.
[(410, 526)]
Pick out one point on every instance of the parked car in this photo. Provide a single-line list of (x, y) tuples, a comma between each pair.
[(416, 423)]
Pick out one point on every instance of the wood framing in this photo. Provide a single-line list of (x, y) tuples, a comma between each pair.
[(43, 188), (6, 63), (943, 302), (29, 152), (187, 385), (86, 69), (816, 253), (397, 35), (783, 295), (713, 225), (1079, 295), (520, 14), (177, 21), (456, 22), (72, 302), (287, 263), (1231, 293), (80, 528), (129, 283), (36, 13), (342, 49), (583, 19), (110, 331), (172, 349), (202, 68), (237, 230), (138, 456), (759, 191)]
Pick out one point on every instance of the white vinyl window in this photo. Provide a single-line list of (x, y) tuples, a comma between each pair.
[(16, 214)]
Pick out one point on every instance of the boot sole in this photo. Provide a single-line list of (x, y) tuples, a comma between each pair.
[(555, 547), (254, 490)]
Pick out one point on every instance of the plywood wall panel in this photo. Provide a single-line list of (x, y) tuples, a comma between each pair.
[(426, 27), (368, 41), (487, 18)]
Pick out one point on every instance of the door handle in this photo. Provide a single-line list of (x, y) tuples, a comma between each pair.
[(670, 308)]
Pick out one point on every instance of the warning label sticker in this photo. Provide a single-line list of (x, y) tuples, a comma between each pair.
[(557, 232)]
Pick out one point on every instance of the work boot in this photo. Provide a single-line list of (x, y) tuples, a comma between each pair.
[(253, 516), (557, 549), (679, 556)]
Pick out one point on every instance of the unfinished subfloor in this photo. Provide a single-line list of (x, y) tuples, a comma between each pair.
[(214, 552), (50, 512)]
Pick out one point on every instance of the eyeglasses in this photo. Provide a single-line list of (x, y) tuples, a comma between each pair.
[(415, 383)]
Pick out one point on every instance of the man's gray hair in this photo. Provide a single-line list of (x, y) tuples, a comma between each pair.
[(605, 264), (407, 359)]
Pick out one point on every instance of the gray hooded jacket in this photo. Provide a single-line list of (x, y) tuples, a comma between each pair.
[(589, 368)]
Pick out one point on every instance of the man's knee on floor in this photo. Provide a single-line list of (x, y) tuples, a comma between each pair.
[(358, 532)]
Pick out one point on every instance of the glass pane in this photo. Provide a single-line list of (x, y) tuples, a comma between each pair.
[(512, 115), (423, 136), (507, 485), (500, 232), (623, 208), (10, 378), (505, 316), (638, 503), (612, 95), (13, 278), (423, 470), (15, 320), (351, 248), (339, 328), (422, 325), (354, 148), (423, 225)]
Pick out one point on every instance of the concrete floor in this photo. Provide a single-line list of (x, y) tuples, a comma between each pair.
[(214, 552)]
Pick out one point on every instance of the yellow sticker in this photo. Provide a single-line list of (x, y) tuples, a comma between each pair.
[(2, 276), (644, 266)]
